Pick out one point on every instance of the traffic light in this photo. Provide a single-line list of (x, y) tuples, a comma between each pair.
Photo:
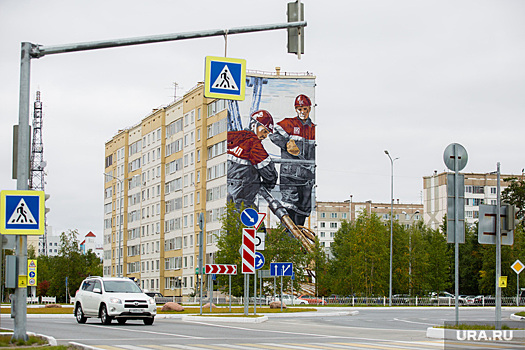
[(295, 35)]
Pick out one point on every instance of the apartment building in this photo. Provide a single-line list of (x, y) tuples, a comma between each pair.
[(331, 214), (479, 189), (168, 169)]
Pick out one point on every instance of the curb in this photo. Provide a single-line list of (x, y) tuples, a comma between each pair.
[(50, 340), (217, 318), (517, 318)]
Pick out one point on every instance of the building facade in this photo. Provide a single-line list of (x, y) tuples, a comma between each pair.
[(162, 174), (479, 189), (331, 214)]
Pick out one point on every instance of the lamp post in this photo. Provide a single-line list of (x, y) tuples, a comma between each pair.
[(391, 223), (119, 270)]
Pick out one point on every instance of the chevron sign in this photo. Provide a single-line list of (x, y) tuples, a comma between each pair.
[(248, 250), (220, 269)]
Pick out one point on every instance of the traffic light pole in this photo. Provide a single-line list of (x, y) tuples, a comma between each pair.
[(22, 180), (30, 51), (498, 250)]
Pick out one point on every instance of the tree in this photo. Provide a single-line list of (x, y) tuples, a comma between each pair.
[(361, 257), (515, 194), (70, 264)]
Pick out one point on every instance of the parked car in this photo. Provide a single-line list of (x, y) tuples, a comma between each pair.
[(312, 300), (111, 298), (399, 299), (154, 294), (289, 300), (442, 298)]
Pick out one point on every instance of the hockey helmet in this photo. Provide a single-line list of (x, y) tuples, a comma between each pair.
[(264, 118), (303, 101)]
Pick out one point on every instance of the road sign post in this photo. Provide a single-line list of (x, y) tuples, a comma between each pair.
[(455, 158), (517, 266)]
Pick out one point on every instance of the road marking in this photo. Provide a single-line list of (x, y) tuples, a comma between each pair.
[(151, 332), (108, 347), (133, 347), (427, 324)]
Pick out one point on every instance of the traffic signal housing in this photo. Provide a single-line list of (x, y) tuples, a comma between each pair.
[(295, 35)]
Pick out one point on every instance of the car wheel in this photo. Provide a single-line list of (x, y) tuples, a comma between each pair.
[(149, 321), (79, 314), (121, 320), (104, 317)]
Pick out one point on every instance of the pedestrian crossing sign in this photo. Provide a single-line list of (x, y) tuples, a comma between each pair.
[(22, 213), (225, 78)]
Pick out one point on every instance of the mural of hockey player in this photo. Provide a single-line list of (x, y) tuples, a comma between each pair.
[(296, 138), (249, 165)]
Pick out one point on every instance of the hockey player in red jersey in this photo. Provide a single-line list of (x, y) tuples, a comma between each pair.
[(296, 138), (249, 165)]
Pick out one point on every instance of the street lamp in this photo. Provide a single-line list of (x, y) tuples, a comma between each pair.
[(391, 223), (119, 269)]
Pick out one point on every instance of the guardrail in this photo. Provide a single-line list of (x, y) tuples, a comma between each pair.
[(42, 300)]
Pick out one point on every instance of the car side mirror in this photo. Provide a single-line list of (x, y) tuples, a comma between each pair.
[(97, 290)]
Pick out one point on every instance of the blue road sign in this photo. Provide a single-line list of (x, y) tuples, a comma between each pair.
[(214, 277), (22, 212), (32, 274), (225, 78), (281, 269), (259, 260), (249, 217)]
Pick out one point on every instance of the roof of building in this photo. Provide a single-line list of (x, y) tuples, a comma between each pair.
[(90, 234)]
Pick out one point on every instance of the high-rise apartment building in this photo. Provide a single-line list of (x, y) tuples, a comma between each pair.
[(171, 167), (479, 189), (331, 214)]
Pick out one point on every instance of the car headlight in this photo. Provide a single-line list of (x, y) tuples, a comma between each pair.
[(115, 300), (151, 301)]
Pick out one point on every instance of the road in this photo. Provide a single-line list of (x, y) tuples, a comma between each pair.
[(372, 328)]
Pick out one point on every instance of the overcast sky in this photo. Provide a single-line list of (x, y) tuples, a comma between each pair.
[(409, 76)]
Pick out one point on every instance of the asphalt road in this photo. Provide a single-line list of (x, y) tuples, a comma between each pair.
[(372, 328)]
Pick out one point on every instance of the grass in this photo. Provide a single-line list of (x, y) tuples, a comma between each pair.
[(5, 341), (235, 310), (522, 313)]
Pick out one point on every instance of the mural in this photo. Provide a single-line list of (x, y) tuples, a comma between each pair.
[(271, 150)]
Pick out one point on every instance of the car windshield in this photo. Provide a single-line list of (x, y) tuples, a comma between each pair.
[(121, 287)]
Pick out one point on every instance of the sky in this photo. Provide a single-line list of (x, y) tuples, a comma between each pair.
[(407, 76)]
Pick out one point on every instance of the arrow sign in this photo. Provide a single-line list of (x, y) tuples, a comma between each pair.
[(249, 217), (220, 269), (281, 269), (259, 260)]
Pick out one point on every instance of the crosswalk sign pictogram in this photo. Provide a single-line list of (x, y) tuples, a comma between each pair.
[(22, 212), (225, 78)]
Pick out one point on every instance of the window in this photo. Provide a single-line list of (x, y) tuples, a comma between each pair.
[(333, 225), (333, 215)]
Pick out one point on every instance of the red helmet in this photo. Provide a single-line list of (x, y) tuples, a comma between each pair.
[(264, 118), (302, 101)]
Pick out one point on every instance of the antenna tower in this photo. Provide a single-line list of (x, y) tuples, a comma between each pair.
[(37, 173)]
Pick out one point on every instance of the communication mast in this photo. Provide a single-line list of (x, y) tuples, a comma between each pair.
[(37, 173)]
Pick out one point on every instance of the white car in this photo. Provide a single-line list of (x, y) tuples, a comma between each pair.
[(111, 298), (287, 300)]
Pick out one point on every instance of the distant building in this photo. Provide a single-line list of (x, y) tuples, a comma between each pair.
[(331, 214), (89, 243), (479, 189)]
